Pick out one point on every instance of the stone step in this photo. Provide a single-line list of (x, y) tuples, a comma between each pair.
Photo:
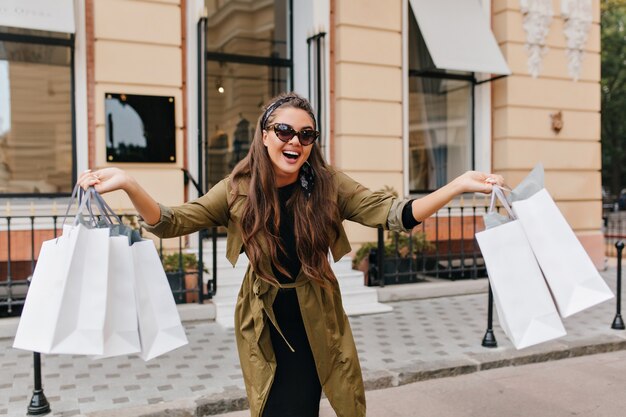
[(343, 265), (229, 281), (357, 298), (227, 291), (356, 302)]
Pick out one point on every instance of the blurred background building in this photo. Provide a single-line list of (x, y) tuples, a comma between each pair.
[(409, 93)]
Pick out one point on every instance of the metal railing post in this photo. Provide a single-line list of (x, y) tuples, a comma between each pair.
[(618, 323), (489, 340), (380, 259), (38, 403), (214, 260)]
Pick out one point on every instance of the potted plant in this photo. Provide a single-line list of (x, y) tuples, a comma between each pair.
[(401, 252), (182, 273)]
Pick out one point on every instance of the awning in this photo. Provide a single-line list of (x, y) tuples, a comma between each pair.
[(50, 15), (458, 36)]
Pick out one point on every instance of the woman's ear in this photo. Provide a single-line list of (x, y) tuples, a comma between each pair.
[(265, 138)]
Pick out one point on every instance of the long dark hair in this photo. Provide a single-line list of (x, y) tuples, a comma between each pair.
[(316, 219)]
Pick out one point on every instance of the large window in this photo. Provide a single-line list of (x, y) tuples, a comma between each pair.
[(247, 61), (36, 118), (440, 118)]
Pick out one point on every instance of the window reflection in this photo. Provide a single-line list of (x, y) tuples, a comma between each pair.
[(36, 154), (439, 131), (247, 27), (440, 119), (247, 63), (232, 114)]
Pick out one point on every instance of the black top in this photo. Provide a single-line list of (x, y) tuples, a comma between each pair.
[(296, 389)]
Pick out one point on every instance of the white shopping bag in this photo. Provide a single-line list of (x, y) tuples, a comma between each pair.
[(80, 323), (65, 305), (121, 334), (35, 330), (525, 307), (160, 328), (573, 279)]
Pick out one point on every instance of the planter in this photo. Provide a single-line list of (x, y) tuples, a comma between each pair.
[(181, 281), (191, 283), (396, 270), (175, 280)]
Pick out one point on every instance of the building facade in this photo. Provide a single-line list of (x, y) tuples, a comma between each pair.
[(409, 93)]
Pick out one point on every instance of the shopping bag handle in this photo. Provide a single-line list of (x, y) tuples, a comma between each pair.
[(105, 210), (497, 193), (84, 199), (77, 195)]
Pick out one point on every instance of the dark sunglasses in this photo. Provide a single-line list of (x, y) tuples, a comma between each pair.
[(285, 133)]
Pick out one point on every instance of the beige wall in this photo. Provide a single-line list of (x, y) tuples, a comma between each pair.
[(368, 96), (522, 134), (138, 50)]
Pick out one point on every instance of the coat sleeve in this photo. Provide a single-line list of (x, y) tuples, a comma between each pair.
[(207, 211), (369, 208)]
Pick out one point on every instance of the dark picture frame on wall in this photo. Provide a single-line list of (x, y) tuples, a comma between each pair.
[(140, 128)]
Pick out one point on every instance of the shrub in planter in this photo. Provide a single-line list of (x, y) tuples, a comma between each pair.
[(400, 253), (182, 274)]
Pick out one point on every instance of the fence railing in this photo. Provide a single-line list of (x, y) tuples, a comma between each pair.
[(21, 237), (614, 227), (443, 247)]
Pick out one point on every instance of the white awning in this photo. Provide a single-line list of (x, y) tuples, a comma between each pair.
[(458, 36), (50, 15)]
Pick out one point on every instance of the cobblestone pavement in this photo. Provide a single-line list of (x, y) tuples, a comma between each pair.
[(419, 339)]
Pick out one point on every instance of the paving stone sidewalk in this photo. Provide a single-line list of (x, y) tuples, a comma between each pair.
[(420, 339)]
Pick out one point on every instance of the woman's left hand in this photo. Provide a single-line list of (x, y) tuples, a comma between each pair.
[(477, 182)]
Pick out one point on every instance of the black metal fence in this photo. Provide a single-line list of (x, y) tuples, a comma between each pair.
[(614, 227), (21, 237), (442, 247)]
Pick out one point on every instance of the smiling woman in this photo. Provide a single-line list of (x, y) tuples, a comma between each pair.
[(284, 206)]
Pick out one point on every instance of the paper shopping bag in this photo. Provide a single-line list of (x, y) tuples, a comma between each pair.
[(160, 328), (65, 304), (79, 328), (35, 330), (524, 305), (574, 280), (121, 333)]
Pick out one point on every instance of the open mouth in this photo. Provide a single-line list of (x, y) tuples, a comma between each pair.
[(291, 155)]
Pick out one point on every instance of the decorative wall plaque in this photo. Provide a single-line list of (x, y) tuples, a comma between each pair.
[(140, 128)]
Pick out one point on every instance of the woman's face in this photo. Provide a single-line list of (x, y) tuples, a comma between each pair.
[(287, 157)]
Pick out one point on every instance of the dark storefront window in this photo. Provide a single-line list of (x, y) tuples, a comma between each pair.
[(36, 118), (440, 119), (247, 61)]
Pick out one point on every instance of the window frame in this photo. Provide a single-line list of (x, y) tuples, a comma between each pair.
[(51, 41), (438, 74), (205, 56), (407, 72)]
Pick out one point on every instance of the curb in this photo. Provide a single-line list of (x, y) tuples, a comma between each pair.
[(236, 400)]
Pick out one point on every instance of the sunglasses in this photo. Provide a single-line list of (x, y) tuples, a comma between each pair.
[(285, 133)]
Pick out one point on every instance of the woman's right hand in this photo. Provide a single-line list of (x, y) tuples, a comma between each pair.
[(111, 179), (104, 180)]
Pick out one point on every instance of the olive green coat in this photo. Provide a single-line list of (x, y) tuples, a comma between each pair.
[(325, 321)]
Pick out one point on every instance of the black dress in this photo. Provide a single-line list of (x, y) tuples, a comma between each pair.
[(296, 390)]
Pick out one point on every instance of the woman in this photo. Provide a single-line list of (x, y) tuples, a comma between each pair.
[(284, 206)]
